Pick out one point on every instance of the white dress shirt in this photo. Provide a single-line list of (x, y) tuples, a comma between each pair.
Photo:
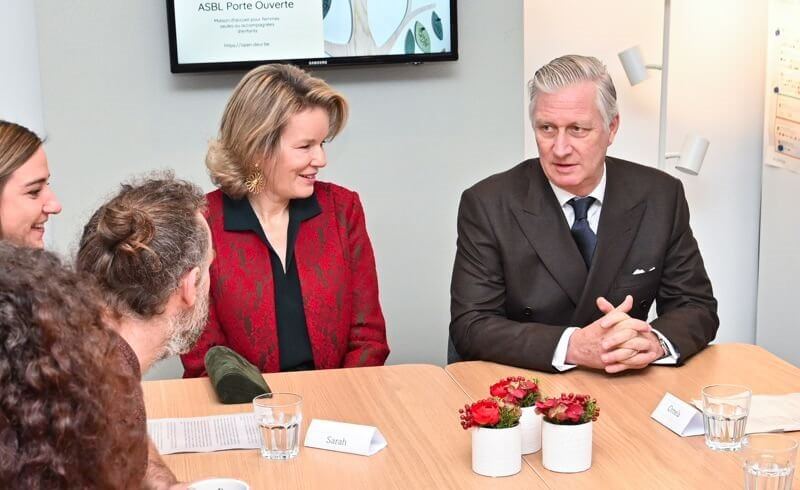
[(593, 217)]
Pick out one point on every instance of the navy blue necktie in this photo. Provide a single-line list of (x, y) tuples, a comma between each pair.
[(581, 232)]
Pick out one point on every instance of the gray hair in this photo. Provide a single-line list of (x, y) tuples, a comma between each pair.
[(570, 69), (140, 243)]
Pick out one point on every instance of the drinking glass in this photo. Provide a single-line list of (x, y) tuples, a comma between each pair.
[(769, 461), (279, 416), (725, 409)]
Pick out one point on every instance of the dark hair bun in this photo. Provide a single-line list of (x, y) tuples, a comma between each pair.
[(126, 229)]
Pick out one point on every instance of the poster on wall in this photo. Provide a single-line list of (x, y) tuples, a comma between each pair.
[(782, 102)]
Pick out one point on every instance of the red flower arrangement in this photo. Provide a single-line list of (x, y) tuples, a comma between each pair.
[(491, 412), (517, 390), (568, 409)]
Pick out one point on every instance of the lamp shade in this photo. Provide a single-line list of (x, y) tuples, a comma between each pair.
[(633, 62), (692, 154)]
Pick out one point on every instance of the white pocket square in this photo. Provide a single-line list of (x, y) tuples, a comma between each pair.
[(642, 271)]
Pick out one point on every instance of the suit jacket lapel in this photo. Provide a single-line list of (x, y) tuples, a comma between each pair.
[(620, 216), (542, 221)]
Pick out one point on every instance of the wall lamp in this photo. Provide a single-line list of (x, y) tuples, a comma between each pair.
[(691, 156)]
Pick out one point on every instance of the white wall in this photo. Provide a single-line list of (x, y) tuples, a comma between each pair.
[(20, 89), (418, 136), (779, 266), (717, 53)]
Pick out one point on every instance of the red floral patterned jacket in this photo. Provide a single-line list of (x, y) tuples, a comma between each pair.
[(336, 267)]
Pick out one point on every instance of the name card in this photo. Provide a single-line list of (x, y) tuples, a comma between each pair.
[(678, 416), (343, 437)]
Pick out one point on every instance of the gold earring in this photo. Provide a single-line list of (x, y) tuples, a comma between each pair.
[(255, 181)]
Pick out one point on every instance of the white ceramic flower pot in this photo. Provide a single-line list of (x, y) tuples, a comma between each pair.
[(496, 452), (567, 448), (530, 424)]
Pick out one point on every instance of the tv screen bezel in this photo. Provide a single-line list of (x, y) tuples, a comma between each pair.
[(417, 58)]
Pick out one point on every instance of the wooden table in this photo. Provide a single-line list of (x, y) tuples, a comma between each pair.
[(630, 449), (414, 406)]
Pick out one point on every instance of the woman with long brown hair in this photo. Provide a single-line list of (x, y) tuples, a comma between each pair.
[(26, 200)]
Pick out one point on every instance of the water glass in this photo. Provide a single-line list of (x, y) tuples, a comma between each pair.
[(279, 417), (725, 409), (769, 461)]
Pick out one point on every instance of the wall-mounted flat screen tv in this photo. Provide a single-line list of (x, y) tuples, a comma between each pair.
[(241, 34)]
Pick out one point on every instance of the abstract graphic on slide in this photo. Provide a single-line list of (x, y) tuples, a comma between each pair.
[(381, 27)]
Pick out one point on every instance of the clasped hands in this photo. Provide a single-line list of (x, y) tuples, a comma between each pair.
[(615, 342)]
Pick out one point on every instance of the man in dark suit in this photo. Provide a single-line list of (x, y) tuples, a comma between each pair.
[(546, 249)]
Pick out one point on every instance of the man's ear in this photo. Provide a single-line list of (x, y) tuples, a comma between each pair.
[(612, 129), (188, 287)]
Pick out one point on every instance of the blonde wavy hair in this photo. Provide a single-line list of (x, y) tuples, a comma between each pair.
[(254, 119)]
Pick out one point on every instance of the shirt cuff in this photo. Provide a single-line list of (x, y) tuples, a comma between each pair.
[(672, 357), (560, 355)]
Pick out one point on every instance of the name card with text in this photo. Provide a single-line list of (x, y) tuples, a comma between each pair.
[(678, 416), (343, 437)]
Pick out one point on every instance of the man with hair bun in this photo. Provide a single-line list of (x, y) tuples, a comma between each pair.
[(547, 249), (149, 250)]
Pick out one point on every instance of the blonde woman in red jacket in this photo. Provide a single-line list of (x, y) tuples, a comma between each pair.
[(293, 285)]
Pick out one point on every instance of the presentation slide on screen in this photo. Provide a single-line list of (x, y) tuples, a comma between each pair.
[(229, 31)]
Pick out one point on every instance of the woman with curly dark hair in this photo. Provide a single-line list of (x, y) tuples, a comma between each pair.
[(64, 415)]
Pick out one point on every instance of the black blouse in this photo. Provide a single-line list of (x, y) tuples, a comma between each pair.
[(294, 345)]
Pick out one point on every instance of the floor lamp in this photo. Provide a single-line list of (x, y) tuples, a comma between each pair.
[(691, 156)]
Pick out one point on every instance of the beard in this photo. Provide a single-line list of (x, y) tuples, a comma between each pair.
[(187, 327)]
